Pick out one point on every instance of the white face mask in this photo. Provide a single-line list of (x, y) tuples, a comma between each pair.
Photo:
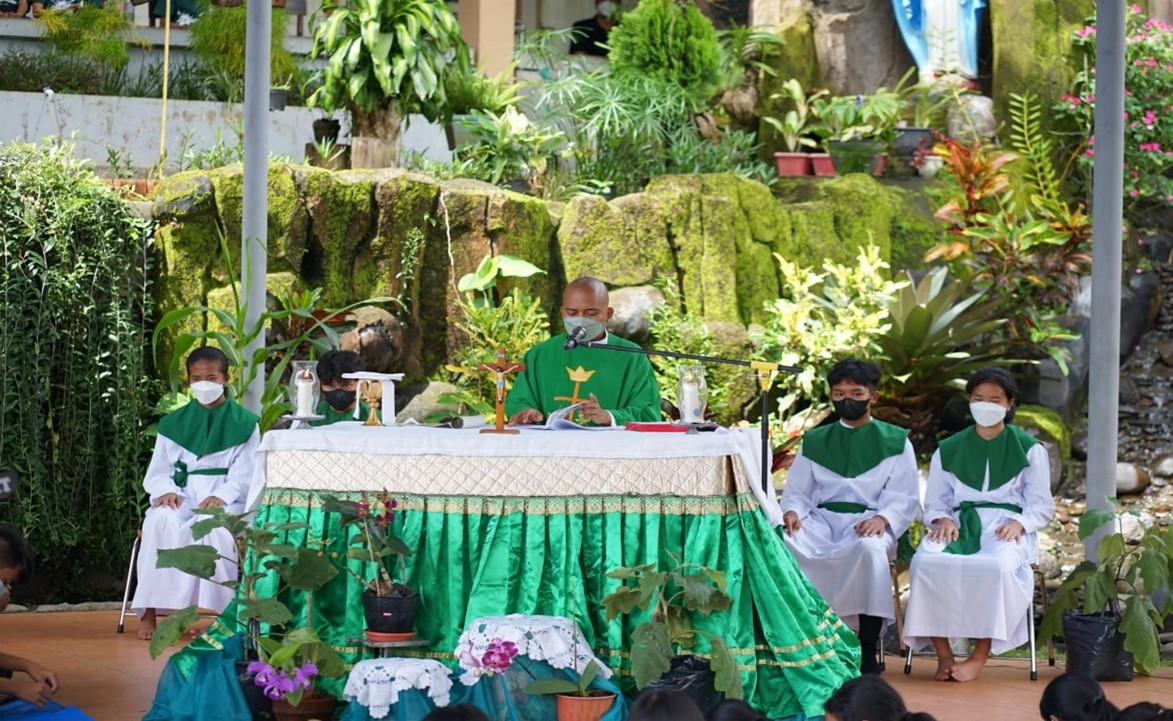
[(987, 414), (605, 8), (206, 392)]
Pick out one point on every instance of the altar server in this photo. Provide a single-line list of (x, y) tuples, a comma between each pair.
[(203, 458), (850, 494), (989, 493), (614, 387), (338, 393)]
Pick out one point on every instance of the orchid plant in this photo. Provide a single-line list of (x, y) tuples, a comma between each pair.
[(375, 542), (497, 658)]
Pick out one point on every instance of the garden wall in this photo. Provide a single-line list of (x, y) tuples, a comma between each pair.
[(710, 237)]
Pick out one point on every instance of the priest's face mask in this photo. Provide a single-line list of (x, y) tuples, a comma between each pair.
[(589, 309), (851, 400)]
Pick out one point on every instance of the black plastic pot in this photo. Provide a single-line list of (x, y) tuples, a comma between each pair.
[(259, 705), (327, 129), (909, 140), (390, 614)]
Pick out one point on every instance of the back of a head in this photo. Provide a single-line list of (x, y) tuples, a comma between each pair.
[(333, 364), (733, 710), (1075, 697), (665, 705), (1145, 711), (14, 553), (459, 712), (870, 697)]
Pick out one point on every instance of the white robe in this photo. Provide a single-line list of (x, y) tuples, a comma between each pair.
[(169, 589), (849, 571), (986, 594)]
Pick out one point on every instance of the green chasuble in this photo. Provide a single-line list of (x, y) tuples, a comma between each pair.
[(203, 431), (333, 416), (851, 451), (555, 378)]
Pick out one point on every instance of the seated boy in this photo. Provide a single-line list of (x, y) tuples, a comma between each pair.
[(203, 458), (16, 566), (13, 8), (338, 393)]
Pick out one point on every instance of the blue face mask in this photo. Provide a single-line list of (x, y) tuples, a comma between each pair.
[(593, 328)]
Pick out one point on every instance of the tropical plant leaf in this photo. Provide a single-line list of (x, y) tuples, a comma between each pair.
[(551, 686), (172, 628), (198, 560), (650, 650), (312, 570), (726, 677), (1092, 519), (622, 601), (266, 610), (1140, 635)]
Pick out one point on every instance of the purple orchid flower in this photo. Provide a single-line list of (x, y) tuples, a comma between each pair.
[(279, 686), (303, 677), (262, 671)]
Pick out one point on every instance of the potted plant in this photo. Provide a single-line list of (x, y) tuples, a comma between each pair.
[(384, 61), (576, 700), (389, 607), (667, 600), (282, 661), (467, 90), (510, 149), (1116, 591), (924, 109), (795, 128)]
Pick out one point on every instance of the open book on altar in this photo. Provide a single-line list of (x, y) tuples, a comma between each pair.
[(559, 420)]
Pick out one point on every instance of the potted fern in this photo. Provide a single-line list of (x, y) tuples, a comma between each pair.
[(1116, 592), (668, 599)]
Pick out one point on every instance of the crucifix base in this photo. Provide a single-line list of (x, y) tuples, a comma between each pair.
[(507, 431)]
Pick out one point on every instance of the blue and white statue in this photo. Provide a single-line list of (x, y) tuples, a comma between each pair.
[(942, 35)]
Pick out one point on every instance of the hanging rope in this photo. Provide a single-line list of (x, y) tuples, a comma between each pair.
[(166, 77)]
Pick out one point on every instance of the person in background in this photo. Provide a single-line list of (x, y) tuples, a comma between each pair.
[(1075, 697), (590, 35), (338, 393), (16, 567), (869, 698), (989, 494), (664, 705), (13, 8), (1145, 711)]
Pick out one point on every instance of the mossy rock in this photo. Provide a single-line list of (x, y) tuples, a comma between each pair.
[(622, 243), (731, 340), (288, 221), (341, 210), (861, 211), (223, 298), (1033, 50), (1047, 425), (914, 230), (813, 237)]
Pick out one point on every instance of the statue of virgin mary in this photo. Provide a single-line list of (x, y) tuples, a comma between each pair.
[(942, 35)]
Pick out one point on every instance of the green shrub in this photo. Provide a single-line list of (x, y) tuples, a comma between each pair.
[(218, 37), (74, 323), (671, 42)]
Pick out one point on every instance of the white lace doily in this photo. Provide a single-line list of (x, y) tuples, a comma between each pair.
[(376, 683), (553, 639)]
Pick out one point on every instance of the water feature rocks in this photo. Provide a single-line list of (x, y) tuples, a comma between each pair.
[(1133, 526), (633, 311), (1162, 466), (424, 400), (1130, 479), (1165, 351)]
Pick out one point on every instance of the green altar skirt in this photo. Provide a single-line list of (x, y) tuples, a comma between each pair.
[(491, 556)]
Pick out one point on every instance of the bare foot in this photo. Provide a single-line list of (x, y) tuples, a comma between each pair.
[(944, 668), (969, 669), (146, 625)]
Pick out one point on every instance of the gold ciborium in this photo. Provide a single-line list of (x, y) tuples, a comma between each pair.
[(373, 388)]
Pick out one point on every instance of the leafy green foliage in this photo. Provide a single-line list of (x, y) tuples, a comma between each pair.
[(746, 52), (548, 686), (1123, 576), (218, 40), (75, 303), (467, 89), (670, 42), (384, 54), (98, 34), (669, 597), (509, 147)]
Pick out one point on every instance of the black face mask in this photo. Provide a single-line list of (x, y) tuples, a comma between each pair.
[(849, 409), (339, 399)]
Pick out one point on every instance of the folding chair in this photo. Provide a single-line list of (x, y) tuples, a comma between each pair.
[(1041, 590), (130, 573)]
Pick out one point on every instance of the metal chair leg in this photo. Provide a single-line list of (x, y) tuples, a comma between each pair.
[(138, 539), (1042, 583), (1034, 665), (908, 660)]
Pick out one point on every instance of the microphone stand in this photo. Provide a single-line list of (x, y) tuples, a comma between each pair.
[(763, 369)]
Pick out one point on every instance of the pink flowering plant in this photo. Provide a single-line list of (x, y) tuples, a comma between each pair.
[(375, 541), (497, 658), (1148, 108)]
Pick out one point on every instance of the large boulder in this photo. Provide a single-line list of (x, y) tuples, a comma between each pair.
[(633, 311)]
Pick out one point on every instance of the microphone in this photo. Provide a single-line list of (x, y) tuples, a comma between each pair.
[(575, 338)]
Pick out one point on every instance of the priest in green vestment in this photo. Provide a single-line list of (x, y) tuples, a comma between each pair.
[(850, 494), (204, 457), (989, 494), (338, 393), (614, 387)]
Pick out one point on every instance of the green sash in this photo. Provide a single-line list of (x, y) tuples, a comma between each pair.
[(844, 507), (203, 431), (852, 451), (967, 455), (969, 538), (181, 473)]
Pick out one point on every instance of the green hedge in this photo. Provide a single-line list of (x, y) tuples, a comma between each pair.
[(74, 334)]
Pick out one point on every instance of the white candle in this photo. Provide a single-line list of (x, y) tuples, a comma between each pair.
[(690, 403), (305, 395)]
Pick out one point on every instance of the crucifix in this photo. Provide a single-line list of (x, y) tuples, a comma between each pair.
[(501, 367)]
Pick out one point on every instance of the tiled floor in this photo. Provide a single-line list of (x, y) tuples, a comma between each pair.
[(112, 678)]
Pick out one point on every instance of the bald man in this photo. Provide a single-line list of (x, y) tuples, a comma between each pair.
[(614, 387)]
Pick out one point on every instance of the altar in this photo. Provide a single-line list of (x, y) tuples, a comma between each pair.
[(531, 523)]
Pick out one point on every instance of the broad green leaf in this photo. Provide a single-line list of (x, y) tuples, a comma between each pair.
[(1110, 547), (651, 585), (650, 653), (1140, 636), (621, 601), (171, 629), (312, 570), (680, 629), (623, 572), (551, 686), (197, 560), (1154, 569), (510, 266), (1091, 521), (266, 610), (726, 677), (698, 593), (588, 674)]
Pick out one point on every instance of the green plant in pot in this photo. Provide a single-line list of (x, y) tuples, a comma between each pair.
[(384, 60), (1122, 580), (796, 125), (576, 699), (388, 607), (668, 599), (468, 90), (282, 660)]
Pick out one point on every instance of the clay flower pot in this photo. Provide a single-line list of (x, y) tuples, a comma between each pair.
[(792, 164), (584, 708), (311, 707)]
